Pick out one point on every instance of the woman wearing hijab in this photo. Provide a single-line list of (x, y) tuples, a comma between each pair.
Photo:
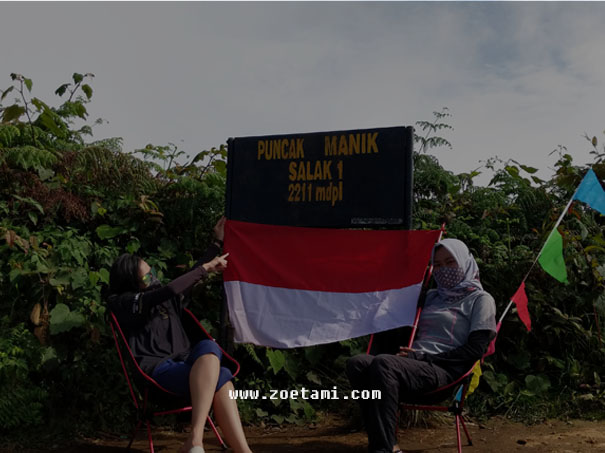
[(150, 314), (454, 331)]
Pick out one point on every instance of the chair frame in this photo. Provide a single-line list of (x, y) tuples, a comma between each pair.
[(144, 413), (457, 405)]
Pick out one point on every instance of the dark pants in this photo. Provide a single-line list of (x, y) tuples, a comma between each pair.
[(397, 378)]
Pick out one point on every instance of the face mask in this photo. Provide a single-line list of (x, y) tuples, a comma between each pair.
[(149, 279), (154, 282), (448, 277)]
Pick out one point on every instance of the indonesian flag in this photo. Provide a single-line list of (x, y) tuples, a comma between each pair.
[(290, 286)]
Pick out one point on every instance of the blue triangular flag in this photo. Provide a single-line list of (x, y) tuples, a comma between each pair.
[(591, 192)]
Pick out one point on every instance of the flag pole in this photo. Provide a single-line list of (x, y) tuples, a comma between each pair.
[(510, 303)]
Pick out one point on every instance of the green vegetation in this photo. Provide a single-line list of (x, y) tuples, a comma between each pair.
[(70, 205)]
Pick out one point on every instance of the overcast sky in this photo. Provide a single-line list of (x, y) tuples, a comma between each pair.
[(518, 78)]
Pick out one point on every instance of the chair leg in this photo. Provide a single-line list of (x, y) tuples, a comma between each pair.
[(218, 436), (134, 434), (149, 437), (468, 436), (458, 433)]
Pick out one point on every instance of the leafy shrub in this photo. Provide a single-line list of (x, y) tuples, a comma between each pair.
[(68, 208)]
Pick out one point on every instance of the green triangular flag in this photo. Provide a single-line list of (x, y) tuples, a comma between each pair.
[(551, 258)]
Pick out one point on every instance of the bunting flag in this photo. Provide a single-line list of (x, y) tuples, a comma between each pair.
[(551, 258), (289, 286), (591, 192), (520, 300)]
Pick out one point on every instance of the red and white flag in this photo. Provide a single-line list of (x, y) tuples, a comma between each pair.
[(291, 286)]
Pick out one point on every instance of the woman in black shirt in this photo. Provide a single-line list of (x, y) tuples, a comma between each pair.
[(150, 314)]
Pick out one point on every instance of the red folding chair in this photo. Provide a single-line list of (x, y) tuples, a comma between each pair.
[(427, 401), (150, 388)]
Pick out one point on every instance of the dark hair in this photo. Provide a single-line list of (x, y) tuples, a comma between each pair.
[(124, 274)]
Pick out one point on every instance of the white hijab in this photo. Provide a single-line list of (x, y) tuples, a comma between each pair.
[(465, 260)]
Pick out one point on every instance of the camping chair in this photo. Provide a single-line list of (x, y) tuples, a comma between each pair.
[(153, 390), (429, 400)]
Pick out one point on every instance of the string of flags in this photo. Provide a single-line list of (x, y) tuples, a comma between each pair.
[(550, 257)]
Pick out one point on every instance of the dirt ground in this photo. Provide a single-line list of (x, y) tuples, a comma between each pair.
[(333, 436)]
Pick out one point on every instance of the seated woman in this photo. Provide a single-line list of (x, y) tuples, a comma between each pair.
[(150, 314), (454, 331)]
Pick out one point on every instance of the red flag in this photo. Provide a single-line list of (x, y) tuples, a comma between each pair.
[(288, 286), (520, 300)]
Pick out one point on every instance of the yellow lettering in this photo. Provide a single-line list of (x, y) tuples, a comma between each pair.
[(317, 173), (301, 172), (353, 143), (331, 193), (330, 146), (339, 168), (280, 149), (372, 147), (327, 171), (334, 195), (292, 170), (310, 170), (363, 143), (320, 194), (342, 146), (275, 149)]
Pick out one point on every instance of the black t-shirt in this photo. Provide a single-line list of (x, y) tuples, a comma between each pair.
[(151, 319)]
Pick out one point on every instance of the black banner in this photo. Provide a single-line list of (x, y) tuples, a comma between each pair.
[(357, 178)]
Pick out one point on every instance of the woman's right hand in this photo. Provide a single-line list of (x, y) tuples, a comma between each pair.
[(218, 264)]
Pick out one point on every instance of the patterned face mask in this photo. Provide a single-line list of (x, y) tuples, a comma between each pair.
[(448, 277), (150, 279)]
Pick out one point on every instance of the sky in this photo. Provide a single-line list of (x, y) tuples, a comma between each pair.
[(518, 78)]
